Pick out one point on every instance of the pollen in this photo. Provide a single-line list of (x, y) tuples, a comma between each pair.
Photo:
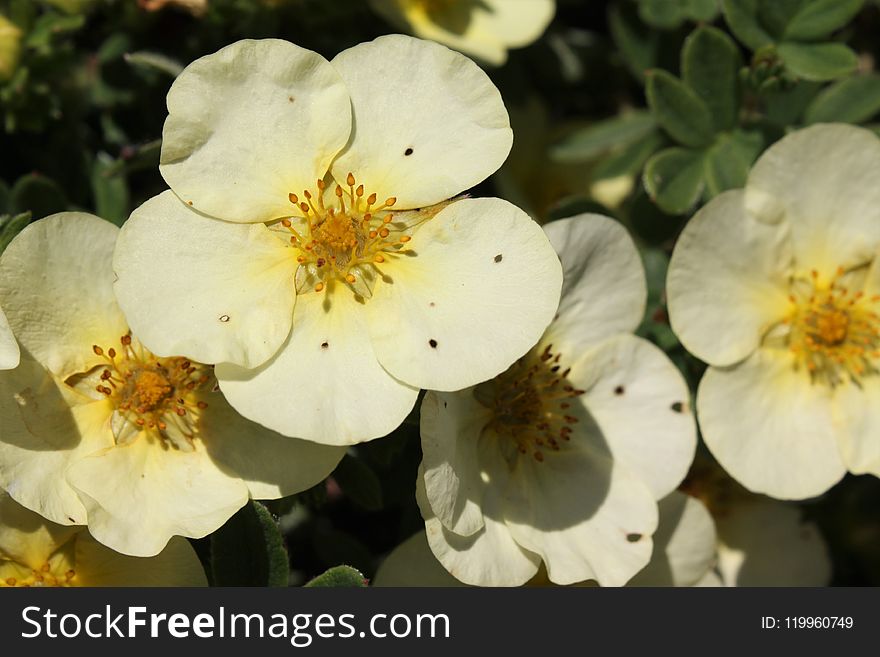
[(530, 405), (834, 331)]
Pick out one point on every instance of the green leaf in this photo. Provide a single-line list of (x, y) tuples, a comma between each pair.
[(774, 15), (678, 110), (818, 61), (50, 25), (637, 43), (586, 143), (38, 195), (787, 105), (344, 576), (742, 18), (358, 481), (4, 197), (710, 64), (156, 61), (667, 14), (854, 100), (728, 161), (110, 190), (817, 19), (249, 550), (674, 179), (629, 159), (10, 226)]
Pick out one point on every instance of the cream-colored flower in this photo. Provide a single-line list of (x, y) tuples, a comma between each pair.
[(97, 430), (776, 288), (683, 553), (10, 47), (388, 286), (484, 29), (9, 352), (36, 552), (562, 458)]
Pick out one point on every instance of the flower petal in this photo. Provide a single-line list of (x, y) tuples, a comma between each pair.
[(767, 543), (176, 565), (490, 557), (429, 123), (26, 537), (822, 182), (56, 288), (684, 545), (603, 289), (207, 289), (270, 464), (770, 427), (857, 412), (450, 425), (479, 293), (140, 494), (728, 280), (413, 564), (604, 536), (250, 124), (325, 383), (9, 353), (41, 437), (640, 401)]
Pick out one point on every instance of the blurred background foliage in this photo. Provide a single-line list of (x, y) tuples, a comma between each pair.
[(638, 109)]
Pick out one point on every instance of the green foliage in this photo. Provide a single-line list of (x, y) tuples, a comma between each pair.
[(667, 14), (710, 63), (344, 576), (854, 100), (249, 550), (586, 143), (359, 482), (10, 226), (674, 179), (38, 195)]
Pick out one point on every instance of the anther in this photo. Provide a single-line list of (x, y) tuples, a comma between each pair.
[(293, 198)]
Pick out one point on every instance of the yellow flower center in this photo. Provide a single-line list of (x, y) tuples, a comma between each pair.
[(531, 405), (344, 237), (156, 397), (835, 332), (58, 570)]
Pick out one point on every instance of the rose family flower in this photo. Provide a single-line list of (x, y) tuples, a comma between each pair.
[(561, 459), (10, 47), (776, 288), (485, 29), (307, 245), (9, 352), (36, 552), (97, 430), (683, 552)]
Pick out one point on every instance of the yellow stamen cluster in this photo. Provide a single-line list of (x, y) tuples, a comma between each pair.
[(343, 236), (834, 332), (531, 404), (153, 396), (58, 570)]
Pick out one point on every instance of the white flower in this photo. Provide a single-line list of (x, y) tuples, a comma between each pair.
[(36, 552), (9, 353), (97, 430), (485, 29), (387, 287), (776, 288), (561, 458)]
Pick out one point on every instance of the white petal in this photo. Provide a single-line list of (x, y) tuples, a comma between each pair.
[(207, 289), (56, 288), (413, 564), (9, 353), (490, 557), (584, 514), (450, 425), (641, 402), (770, 427), (41, 436), (684, 545), (141, 494), (26, 537), (766, 543), (728, 281), (603, 289), (857, 412), (822, 181), (176, 565), (479, 293), (417, 97), (325, 383), (270, 464), (250, 124)]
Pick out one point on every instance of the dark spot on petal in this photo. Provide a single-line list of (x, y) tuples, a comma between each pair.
[(189, 202), (408, 151), (498, 258), (224, 318), (433, 343), (290, 99), (445, 404), (619, 390), (678, 407), (71, 519), (633, 538), (324, 345), (432, 304)]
